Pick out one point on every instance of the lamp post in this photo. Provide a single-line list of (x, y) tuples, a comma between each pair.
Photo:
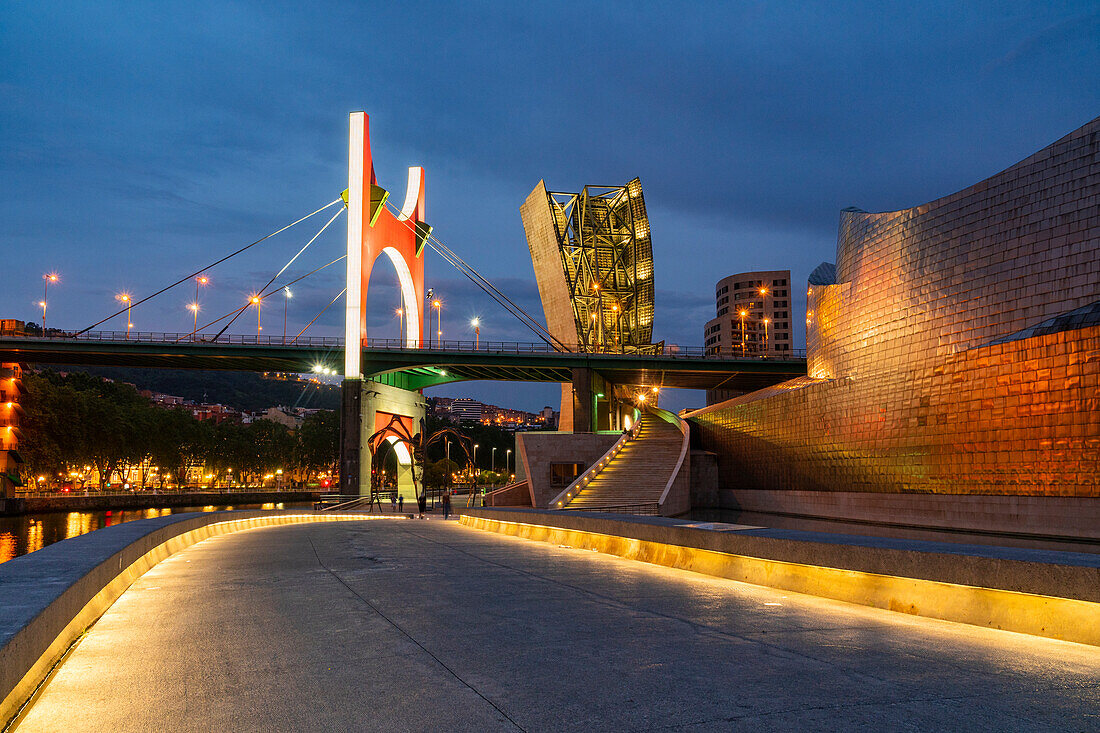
[(125, 298), (743, 314), (48, 278), (438, 305), (494, 459), (763, 295), (400, 313), (200, 280), (507, 459), (476, 323), (475, 459), (194, 308), (286, 304), (255, 300)]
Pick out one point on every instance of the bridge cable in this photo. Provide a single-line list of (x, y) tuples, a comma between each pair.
[(295, 339), (260, 294), (487, 287), (199, 272), (284, 287)]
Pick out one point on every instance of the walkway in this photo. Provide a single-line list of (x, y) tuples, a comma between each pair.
[(418, 625)]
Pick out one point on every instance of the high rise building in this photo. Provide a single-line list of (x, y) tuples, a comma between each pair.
[(753, 315)]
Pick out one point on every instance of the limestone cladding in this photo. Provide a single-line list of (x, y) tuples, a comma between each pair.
[(542, 241), (904, 391)]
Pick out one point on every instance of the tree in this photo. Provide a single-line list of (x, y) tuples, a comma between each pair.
[(318, 442)]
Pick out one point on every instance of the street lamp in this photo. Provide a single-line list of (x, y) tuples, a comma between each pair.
[(507, 459), (475, 457), (438, 305), (125, 298), (400, 313), (200, 280), (494, 458), (194, 308), (286, 303), (50, 277), (763, 295), (743, 314), (476, 323), (255, 300)]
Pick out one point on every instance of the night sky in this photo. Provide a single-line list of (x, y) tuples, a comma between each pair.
[(142, 140)]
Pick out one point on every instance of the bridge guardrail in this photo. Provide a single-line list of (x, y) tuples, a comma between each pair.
[(670, 351)]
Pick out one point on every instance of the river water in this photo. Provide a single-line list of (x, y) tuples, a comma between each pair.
[(30, 532)]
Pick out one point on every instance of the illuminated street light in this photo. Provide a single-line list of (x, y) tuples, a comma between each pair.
[(438, 305), (125, 298), (743, 314), (763, 296), (400, 313), (194, 308), (50, 277), (286, 302), (202, 280), (255, 300), (476, 323), (507, 459)]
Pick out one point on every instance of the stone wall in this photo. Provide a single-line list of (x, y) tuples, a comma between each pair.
[(538, 450)]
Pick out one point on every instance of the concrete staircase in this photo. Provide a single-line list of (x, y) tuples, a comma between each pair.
[(635, 478)]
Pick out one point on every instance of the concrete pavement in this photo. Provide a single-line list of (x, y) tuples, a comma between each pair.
[(418, 625)]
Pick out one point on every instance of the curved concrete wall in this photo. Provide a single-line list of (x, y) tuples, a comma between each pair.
[(51, 596)]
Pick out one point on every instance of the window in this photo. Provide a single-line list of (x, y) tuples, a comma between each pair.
[(781, 293), (782, 335), (723, 311), (563, 474), (777, 283), (779, 304)]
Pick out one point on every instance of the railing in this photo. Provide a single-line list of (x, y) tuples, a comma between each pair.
[(685, 432), (153, 491), (562, 500), (669, 351)]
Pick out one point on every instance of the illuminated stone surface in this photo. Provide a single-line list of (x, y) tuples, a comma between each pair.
[(927, 372), (433, 626)]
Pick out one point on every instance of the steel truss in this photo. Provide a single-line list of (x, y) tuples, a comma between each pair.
[(603, 237)]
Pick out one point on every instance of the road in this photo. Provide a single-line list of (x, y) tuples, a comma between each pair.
[(429, 625)]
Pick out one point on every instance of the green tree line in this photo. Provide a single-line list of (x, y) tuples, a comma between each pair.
[(77, 420)]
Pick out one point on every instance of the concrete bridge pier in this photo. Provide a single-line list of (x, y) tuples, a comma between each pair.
[(590, 403), (367, 407)]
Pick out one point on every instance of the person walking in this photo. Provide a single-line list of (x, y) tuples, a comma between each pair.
[(401, 503), (446, 505), (393, 502)]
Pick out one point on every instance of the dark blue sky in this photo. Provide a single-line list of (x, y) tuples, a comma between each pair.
[(142, 140)]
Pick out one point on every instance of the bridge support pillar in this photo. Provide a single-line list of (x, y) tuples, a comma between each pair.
[(584, 392), (351, 437), (369, 407)]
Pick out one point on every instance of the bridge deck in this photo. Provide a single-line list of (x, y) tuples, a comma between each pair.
[(412, 368), (411, 625)]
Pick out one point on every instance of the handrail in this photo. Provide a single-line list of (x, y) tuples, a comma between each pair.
[(561, 500), (199, 340), (686, 443)]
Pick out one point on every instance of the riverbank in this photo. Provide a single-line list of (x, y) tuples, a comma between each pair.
[(147, 500)]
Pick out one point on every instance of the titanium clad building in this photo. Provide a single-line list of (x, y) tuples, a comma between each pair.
[(954, 365)]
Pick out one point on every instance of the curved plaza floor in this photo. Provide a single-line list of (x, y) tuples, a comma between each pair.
[(428, 625)]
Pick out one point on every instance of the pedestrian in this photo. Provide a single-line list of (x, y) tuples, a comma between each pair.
[(446, 505), (401, 503), (393, 502)]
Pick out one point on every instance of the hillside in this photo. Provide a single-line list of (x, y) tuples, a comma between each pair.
[(240, 390)]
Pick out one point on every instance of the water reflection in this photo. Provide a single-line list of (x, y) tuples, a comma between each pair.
[(30, 532)]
